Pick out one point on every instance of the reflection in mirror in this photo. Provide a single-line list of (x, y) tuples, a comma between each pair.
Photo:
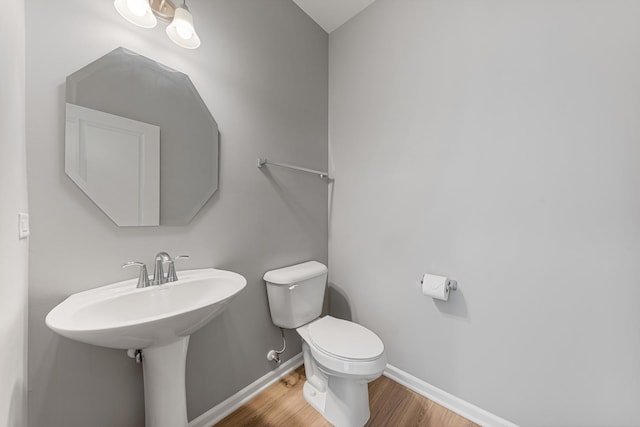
[(116, 162), (143, 94)]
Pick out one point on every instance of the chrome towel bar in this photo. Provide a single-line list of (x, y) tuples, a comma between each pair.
[(322, 175)]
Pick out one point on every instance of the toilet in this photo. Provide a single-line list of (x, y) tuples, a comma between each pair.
[(340, 357)]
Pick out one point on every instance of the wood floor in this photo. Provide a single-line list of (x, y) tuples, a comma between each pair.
[(392, 405)]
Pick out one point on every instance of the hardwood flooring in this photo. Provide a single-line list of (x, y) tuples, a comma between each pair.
[(392, 405)]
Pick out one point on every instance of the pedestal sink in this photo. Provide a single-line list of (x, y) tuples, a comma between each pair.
[(158, 320)]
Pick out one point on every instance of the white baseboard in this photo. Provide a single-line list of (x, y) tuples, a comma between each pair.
[(449, 401), (218, 412)]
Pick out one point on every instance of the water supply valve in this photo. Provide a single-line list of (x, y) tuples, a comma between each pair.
[(273, 355)]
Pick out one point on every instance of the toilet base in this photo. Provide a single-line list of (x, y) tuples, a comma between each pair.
[(344, 403)]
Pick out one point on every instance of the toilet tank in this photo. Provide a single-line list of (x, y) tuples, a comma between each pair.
[(296, 293)]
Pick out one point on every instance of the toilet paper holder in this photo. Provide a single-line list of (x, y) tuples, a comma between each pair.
[(452, 285)]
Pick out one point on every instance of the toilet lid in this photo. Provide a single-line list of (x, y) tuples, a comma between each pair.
[(344, 339)]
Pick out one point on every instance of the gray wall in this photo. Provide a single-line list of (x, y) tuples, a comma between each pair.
[(496, 142), (13, 199), (262, 70)]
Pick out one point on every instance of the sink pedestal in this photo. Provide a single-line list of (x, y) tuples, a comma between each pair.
[(165, 399)]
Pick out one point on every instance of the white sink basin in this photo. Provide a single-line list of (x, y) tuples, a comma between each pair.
[(121, 316), (157, 320)]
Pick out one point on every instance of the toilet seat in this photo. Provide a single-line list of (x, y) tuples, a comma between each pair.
[(345, 340), (332, 364)]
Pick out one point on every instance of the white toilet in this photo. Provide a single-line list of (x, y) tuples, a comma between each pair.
[(340, 357)]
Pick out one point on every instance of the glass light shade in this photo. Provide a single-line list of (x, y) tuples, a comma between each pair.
[(181, 30), (137, 12)]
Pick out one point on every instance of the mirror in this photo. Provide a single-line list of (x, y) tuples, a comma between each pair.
[(140, 141)]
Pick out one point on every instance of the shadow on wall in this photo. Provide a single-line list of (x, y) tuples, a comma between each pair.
[(331, 189), (62, 391), (338, 302), (305, 216), (16, 413), (456, 306)]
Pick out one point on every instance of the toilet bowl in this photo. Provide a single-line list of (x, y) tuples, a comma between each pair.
[(340, 357)]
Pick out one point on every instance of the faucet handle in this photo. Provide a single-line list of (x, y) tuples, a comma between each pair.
[(143, 278), (171, 274)]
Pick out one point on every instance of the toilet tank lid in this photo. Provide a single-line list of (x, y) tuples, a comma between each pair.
[(295, 273)]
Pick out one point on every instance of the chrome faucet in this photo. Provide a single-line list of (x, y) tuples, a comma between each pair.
[(143, 277), (159, 277), (158, 270), (171, 273)]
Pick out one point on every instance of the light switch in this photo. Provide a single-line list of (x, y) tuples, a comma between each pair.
[(23, 225)]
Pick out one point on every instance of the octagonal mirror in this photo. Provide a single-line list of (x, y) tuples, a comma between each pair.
[(140, 141)]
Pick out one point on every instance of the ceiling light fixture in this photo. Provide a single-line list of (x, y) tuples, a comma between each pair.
[(137, 12), (181, 30), (143, 13)]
